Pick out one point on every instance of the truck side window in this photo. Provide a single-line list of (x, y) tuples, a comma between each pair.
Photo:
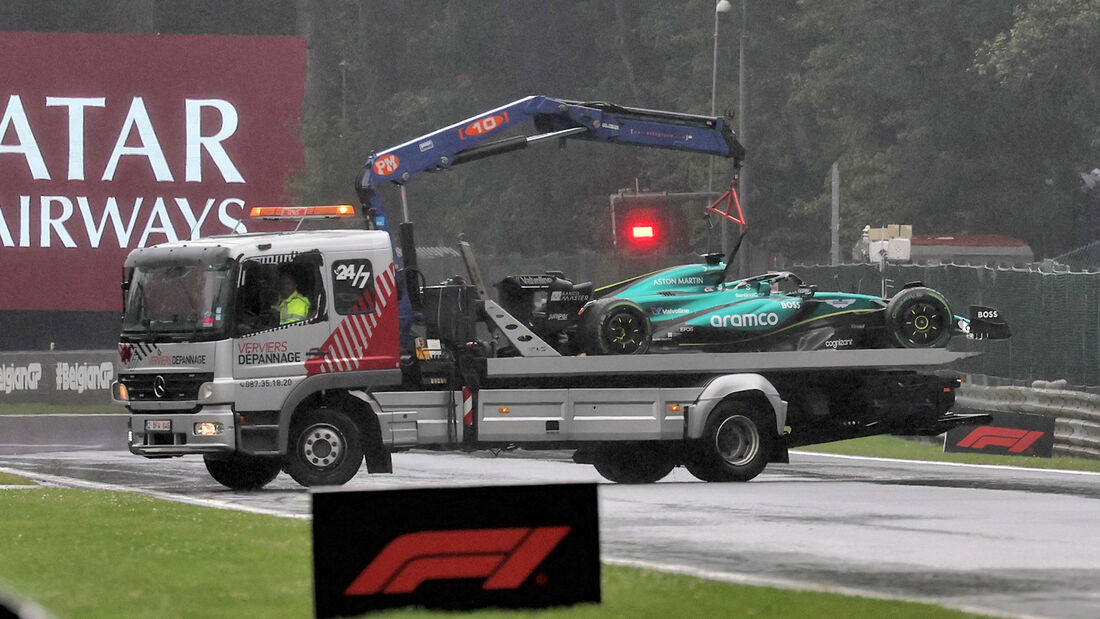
[(260, 291), (352, 287)]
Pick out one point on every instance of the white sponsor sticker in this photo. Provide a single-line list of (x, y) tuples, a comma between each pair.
[(760, 319)]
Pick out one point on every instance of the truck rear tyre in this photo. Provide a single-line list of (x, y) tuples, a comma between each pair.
[(614, 327), (919, 318), (632, 464), (241, 472), (735, 444), (325, 448)]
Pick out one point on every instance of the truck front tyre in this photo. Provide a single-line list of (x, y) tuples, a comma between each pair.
[(632, 465), (325, 448), (241, 472), (735, 444)]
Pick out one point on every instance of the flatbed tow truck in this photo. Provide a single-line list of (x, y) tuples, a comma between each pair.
[(382, 363)]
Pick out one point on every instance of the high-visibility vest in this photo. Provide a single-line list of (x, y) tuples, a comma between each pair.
[(293, 308)]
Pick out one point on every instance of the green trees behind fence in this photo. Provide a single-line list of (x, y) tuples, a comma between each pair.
[(1055, 317)]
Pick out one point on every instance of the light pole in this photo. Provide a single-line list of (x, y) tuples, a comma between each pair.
[(723, 6), (742, 133)]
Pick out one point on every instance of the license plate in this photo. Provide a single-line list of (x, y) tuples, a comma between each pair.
[(158, 425)]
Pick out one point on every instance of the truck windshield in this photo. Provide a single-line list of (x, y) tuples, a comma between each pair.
[(178, 302)]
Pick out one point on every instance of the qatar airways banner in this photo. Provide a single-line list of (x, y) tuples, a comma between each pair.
[(113, 142)]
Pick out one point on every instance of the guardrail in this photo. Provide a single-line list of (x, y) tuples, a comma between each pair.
[(1076, 413)]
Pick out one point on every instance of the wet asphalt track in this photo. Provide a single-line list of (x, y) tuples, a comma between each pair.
[(1006, 541)]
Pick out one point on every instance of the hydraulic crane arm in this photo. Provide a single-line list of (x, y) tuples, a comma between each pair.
[(478, 137), (482, 136)]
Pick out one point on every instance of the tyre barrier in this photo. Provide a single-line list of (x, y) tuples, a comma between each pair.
[(1076, 413)]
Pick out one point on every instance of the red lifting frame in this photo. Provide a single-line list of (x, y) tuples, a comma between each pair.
[(731, 200)]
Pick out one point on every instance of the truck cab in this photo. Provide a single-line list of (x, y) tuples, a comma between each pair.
[(202, 334)]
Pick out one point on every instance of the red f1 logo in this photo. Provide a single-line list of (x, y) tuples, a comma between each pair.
[(504, 557), (1014, 439)]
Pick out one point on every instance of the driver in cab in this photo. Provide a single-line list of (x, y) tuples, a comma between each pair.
[(293, 307)]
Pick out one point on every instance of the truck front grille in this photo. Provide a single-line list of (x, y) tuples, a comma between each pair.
[(164, 387)]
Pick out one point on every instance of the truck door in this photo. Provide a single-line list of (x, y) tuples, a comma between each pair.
[(281, 316), (364, 329)]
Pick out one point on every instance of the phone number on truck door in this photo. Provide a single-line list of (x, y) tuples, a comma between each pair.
[(262, 383)]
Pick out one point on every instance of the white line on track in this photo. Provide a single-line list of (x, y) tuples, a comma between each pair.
[(68, 482), (1002, 467), (752, 580)]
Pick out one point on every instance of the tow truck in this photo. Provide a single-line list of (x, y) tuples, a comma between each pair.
[(382, 362)]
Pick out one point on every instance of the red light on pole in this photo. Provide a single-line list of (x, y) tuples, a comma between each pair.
[(643, 230)]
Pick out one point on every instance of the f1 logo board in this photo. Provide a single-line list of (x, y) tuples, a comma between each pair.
[(455, 548), (1012, 434)]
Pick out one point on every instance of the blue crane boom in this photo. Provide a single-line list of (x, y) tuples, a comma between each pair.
[(480, 136)]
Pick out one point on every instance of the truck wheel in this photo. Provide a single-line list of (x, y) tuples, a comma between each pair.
[(735, 445), (632, 465), (241, 472), (325, 448), (614, 327), (919, 318)]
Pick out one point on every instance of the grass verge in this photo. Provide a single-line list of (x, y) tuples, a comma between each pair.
[(105, 554), (7, 479), (894, 447)]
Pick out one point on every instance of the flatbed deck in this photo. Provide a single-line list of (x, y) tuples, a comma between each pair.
[(724, 363)]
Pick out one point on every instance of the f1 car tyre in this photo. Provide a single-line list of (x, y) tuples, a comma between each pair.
[(614, 327), (325, 448), (919, 318), (241, 472), (625, 464), (736, 442)]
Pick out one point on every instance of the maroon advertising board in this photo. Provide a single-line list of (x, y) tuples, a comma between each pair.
[(113, 142)]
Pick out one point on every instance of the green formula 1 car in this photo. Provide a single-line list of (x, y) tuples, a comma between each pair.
[(694, 307)]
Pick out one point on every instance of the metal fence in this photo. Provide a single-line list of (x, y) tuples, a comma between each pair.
[(1055, 317)]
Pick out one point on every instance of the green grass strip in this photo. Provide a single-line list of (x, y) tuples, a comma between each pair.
[(7, 479), (106, 554), (894, 447)]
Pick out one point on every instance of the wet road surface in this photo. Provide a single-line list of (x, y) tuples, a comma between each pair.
[(1006, 541)]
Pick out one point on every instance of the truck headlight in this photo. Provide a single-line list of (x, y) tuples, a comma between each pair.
[(208, 428), (206, 390), (119, 391)]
